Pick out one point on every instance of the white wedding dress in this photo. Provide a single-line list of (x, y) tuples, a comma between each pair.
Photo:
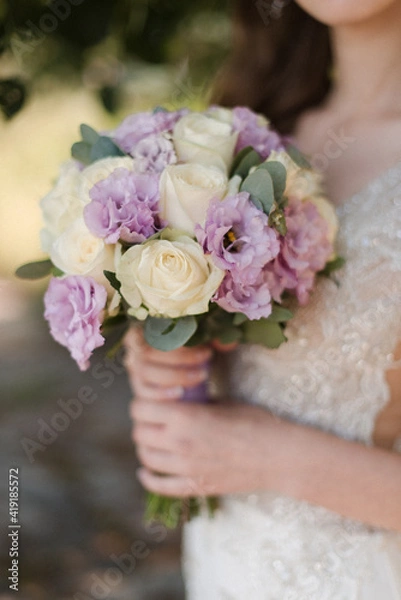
[(330, 375)]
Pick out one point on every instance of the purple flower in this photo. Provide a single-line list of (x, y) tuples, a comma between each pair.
[(73, 307), (153, 153), (238, 236), (252, 133), (253, 300), (138, 126), (305, 249), (124, 205)]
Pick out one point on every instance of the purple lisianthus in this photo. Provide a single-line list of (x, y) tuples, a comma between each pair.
[(252, 133), (138, 126), (251, 299), (238, 236), (73, 307), (124, 206), (305, 250), (153, 153)]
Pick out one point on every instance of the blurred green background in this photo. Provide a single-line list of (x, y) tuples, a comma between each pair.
[(63, 62)]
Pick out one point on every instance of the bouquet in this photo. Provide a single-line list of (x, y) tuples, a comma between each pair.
[(195, 225)]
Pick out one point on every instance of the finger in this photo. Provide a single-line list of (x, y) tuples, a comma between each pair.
[(161, 461), (156, 393), (180, 357), (158, 413), (167, 376), (174, 485)]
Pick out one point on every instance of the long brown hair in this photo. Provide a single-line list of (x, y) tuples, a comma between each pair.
[(280, 62)]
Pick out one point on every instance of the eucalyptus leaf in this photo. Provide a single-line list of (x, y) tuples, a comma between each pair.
[(88, 134), (244, 161), (280, 314), (264, 332), (82, 151), (239, 318), (259, 186), (277, 220), (297, 156), (112, 279), (230, 335), (168, 334), (35, 270), (104, 147), (278, 173), (332, 266)]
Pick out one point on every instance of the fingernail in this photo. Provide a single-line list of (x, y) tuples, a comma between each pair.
[(175, 392), (197, 375)]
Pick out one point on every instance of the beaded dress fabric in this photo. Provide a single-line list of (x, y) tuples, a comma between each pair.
[(331, 374)]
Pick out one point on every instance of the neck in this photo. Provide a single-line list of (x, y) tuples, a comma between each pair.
[(367, 66)]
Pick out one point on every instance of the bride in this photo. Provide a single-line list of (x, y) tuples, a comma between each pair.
[(304, 448)]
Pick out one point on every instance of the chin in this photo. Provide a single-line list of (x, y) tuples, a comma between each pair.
[(347, 12)]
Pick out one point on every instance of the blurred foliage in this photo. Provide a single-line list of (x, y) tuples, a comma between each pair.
[(93, 41)]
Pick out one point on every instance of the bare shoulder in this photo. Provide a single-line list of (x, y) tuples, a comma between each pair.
[(349, 152)]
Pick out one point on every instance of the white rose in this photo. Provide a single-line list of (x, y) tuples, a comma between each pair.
[(301, 183), (62, 205), (224, 115), (98, 171), (305, 184), (327, 211), (65, 203), (170, 277), (200, 138), (78, 252), (186, 192)]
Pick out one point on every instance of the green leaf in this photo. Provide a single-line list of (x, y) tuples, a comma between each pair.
[(35, 270), (277, 220), (104, 147), (239, 318), (168, 334), (280, 314), (259, 186), (230, 335), (88, 134), (82, 151), (112, 279), (278, 173), (244, 161), (332, 266), (297, 156), (264, 332)]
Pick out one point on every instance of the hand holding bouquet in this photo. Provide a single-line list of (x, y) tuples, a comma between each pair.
[(197, 225)]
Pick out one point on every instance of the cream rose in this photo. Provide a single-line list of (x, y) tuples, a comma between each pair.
[(170, 277), (327, 211), (186, 192), (77, 252), (100, 170), (66, 201), (200, 138), (305, 184), (62, 205), (301, 183)]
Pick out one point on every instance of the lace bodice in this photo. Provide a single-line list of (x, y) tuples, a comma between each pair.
[(332, 375), (331, 372)]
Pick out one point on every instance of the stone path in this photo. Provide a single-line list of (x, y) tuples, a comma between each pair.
[(82, 535)]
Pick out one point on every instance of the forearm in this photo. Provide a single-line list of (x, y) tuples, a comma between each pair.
[(346, 477)]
